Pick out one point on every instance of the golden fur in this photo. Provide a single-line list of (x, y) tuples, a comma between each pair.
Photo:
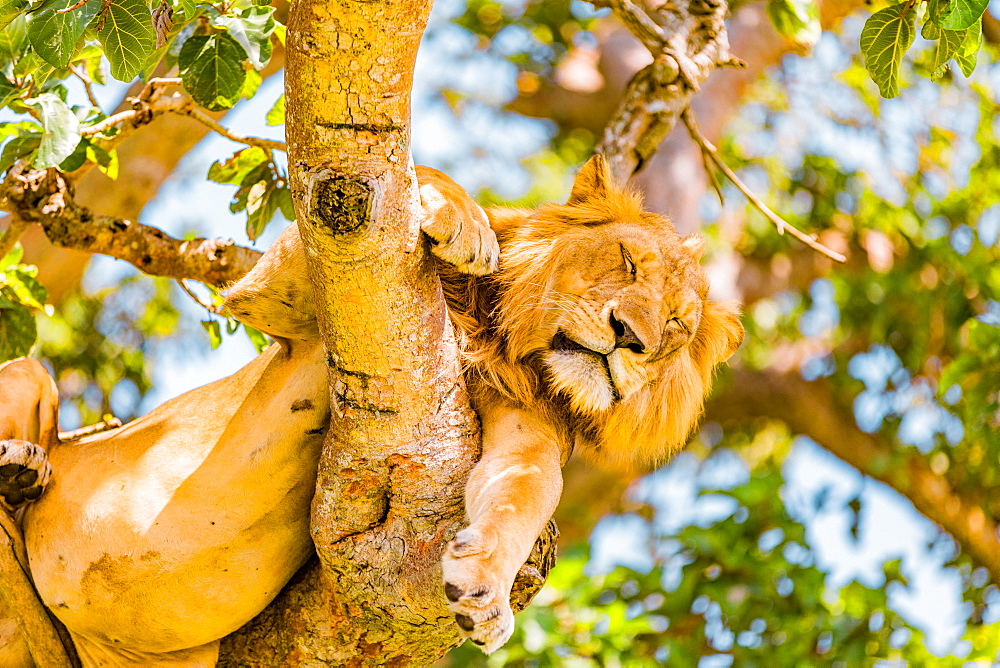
[(509, 320), (159, 538)]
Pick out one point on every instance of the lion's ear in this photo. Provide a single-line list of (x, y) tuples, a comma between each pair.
[(720, 333), (593, 180)]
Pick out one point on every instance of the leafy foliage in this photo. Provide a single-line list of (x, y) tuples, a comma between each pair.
[(744, 588), (886, 37), (262, 187), (102, 347), (21, 295), (218, 50), (955, 25)]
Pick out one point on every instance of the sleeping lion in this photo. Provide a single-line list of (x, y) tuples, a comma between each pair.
[(594, 335)]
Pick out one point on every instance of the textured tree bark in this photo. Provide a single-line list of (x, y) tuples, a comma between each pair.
[(44, 197), (403, 437)]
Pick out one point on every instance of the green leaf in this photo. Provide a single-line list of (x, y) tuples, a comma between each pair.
[(252, 83), (797, 20), (211, 67), (261, 174), (945, 49), (17, 148), (54, 34), (257, 338), (189, 8), (61, 130), (11, 129), (17, 327), (930, 30), (968, 53), (8, 91), (106, 161), (127, 36), (76, 159), (262, 203), (284, 195), (14, 40), (24, 286), (960, 14), (252, 29), (276, 115), (887, 34), (239, 164), (9, 9), (214, 332), (12, 258)]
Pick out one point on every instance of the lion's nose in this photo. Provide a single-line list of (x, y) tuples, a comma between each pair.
[(625, 337)]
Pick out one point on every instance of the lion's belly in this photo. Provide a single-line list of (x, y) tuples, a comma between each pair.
[(166, 535)]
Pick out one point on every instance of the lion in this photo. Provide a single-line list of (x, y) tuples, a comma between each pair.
[(586, 327)]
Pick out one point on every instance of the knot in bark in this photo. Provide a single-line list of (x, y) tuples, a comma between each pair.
[(37, 191), (341, 204)]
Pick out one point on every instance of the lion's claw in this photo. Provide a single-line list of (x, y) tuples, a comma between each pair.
[(477, 596), (486, 620), (24, 472)]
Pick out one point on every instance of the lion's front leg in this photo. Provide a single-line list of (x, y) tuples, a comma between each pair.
[(458, 228), (29, 423), (511, 494)]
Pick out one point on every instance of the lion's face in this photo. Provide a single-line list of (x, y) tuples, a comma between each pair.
[(624, 305), (612, 304)]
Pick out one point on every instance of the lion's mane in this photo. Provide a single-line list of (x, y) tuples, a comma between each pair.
[(499, 314)]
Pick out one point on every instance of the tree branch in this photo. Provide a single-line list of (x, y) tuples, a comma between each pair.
[(688, 41), (45, 197), (34, 624), (812, 409), (15, 229), (150, 104)]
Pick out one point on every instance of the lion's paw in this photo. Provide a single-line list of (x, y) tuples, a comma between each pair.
[(24, 472), (477, 594), (459, 231)]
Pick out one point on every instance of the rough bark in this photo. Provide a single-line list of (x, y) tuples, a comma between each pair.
[(688, 42), (44, 197), (403, 437)]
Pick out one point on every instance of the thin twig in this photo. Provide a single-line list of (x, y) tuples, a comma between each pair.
[(69, 9), (641, 25), (77, 434), (14, 231), (193, 296), (109, 122), (183, 105), (205, 119), (713, 154), (87, 85)]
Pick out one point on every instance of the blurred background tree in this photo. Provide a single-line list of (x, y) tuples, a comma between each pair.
[(840, 503)]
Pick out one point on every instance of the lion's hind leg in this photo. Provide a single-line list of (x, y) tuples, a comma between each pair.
[(29, 423)]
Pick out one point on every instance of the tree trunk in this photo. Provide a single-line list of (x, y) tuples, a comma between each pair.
[(403, 437)]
